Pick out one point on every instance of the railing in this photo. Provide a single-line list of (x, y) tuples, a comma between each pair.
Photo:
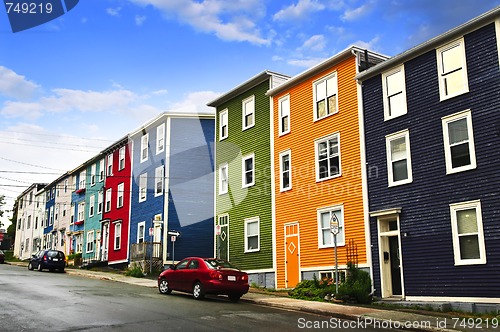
[(145, 251)]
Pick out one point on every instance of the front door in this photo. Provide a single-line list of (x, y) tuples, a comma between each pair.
[(395, 265), (157, 240), (223, 238), (390, 257), (292, 275), (105, 241)]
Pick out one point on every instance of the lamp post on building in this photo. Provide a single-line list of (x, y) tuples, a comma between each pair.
[(334, 228)]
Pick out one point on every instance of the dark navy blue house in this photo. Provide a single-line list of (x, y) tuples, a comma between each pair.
[(172, 188), (431, 143)]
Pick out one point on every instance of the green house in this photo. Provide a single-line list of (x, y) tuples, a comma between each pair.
[(243, 176)]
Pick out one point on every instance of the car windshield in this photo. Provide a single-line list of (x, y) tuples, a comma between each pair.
[(219, 264)]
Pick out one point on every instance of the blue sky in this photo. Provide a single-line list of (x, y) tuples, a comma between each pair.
[(76, 84)]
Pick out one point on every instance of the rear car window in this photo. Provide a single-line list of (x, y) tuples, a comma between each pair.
[(55, 254), (219, 264)]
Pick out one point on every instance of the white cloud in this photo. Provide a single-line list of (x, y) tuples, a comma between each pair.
[(372, 44), (139, 20), (305, 63), (356, 13), (114, 11), (195, 102), (298, 11), (228, 20), (14, 85), (315, 43)]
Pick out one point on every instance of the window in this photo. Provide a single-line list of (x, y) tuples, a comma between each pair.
[(108, 199), (398, 158), (99, 202), (452, 70), (393, 83), (284, 113), (81, 211), (223, 125), (64, 210), (144, 147), (143, 183), (458, 139), (325, 97), (29, 223), (119, 200), (223, 179), (81, 184), (101, 170), (160, 138), (90, 241), (110, 165), (91, 206), (118, 235), (72, 218), (327, 158), (56, 213), (325, 236), (248, 106), (252, 234), (159, 181), (51, 218), (93, 171), (467, 230), (248, 170), (121, 158), (140, 232), (285, 171), (65, 186)]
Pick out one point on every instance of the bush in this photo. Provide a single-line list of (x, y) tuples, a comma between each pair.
[(74, 256), (135, 271), (357, 287)]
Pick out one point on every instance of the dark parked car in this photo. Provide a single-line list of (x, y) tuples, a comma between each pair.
[(2, 257), (201, 276), (48, 259)]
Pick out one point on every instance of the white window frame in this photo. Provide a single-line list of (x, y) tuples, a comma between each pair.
[(160, 138), (100, 198), (223, 124), (91, 206), (390, 174), (109, 166), (109, 194), (341, 240), (284, 112), (316, 157), (93, 174), (248, 110), (121, 158), (159, 175), (81, 211), (282, 171), (139, 237), (442, 76), (120, 196), (447, 147), (117, 243), (143, 187), (317, 98), (389, 92), (144, 147), (247, 222), (101, 170), (82, 179), (90, 241), (223, 182), (244, 171), (454, 208)]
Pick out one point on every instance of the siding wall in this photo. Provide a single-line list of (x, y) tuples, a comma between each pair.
[(427, 253), (301, 203)]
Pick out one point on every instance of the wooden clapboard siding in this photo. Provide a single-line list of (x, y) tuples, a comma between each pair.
[(300, 204)]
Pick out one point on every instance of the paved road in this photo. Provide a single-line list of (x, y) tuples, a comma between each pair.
[(45, 301)]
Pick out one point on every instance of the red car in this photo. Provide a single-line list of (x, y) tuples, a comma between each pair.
[(201, 276)]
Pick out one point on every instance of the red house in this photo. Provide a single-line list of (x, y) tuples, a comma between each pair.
[(115, 224)]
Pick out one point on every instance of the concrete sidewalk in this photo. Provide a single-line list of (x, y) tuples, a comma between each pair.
[(331, 313)]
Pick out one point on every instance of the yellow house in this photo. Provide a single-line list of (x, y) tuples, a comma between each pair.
[(317, 159)]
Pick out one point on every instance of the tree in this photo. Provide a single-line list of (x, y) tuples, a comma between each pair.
[(2, 203)]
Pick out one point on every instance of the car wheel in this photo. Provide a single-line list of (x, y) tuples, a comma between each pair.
[(234, 297), (40, 268), (30, 266), (198, 291), (163, 287)]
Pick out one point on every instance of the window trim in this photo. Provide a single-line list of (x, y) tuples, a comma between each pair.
[(244, 171), (320, 211), (144, 147), (109, 166), (92, 206), (222, 124), (455, 207), (102, 170), (159, 180), (316, 156), (143, 187), (439, 51), (390, 176), (117, 235), (142, 223), (281, 116), (121, 195), (107, 200), (246, 222), (160, 138), (90, 241), (387, 115), (244, 102), (93, 174), (467, 114), (281, 155), (121, 158), (315, 101), (100, 204), (222, 190)]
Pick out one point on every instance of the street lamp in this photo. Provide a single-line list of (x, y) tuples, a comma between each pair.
[(334, 229)]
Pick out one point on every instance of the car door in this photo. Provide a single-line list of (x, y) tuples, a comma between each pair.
[(175, 278)]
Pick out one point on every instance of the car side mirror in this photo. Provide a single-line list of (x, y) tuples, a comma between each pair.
[(171, 267)]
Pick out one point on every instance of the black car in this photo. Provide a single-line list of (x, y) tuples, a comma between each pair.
[(48, 259)]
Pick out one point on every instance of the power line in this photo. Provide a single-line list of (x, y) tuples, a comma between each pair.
[(51, 147), (61, 136), (19, 162), (47, 142)]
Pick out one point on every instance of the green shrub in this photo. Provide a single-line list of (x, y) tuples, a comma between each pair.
[(357, 287), (134, 271), (74, 256)]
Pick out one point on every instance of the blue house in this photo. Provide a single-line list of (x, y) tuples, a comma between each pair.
[(50, 207), (78, 214), (431, 123), (172, 189)]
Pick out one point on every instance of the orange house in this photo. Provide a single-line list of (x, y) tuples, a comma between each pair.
[(318, 182)]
